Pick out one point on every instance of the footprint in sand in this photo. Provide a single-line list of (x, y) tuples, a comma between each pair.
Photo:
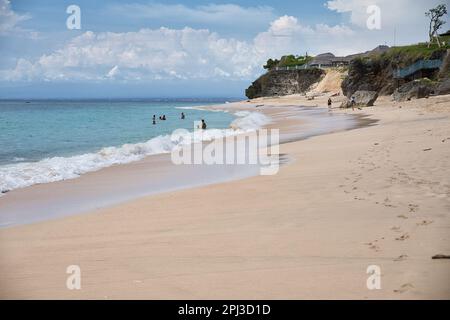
[(424, 222), (396, 229), (403, 237), (413, 207), (373, 245), (402, 216), (404, 287), (401, 258), (387, 203)]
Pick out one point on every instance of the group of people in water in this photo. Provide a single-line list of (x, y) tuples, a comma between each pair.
[(182, 117)]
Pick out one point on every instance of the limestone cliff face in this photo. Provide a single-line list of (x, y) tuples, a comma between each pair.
[(376, 72), (284, 82), (371, 75)]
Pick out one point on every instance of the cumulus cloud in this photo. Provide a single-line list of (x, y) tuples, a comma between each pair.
[(407, 16), (145, 54), (402, 21), (10, 21), (287, 35), (189, 53), (165, 53)]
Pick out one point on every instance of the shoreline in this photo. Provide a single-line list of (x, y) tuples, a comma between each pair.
[(351, 199), (153, 174)]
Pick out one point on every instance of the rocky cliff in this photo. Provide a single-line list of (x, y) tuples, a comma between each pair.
[(284, 82), (375, 72)]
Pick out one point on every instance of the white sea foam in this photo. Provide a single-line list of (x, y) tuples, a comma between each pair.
[(19, 175), (249, 120), (201, 109)]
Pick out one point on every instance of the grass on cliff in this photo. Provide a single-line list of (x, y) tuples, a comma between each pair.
[(292, 61), (420, 50), (403, 56)]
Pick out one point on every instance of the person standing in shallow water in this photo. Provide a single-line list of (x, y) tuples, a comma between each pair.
[(203, 124), (329, 103), (182, 116)]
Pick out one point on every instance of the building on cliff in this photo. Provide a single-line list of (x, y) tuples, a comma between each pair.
[(328, 60)]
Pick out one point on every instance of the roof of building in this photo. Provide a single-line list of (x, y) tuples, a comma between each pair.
[(329, 58)]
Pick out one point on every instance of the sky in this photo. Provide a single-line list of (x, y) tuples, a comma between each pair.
[(148, 49)]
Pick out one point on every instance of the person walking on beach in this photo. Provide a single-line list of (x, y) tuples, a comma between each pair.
[(352, 103), (182, 116), (329, 103)]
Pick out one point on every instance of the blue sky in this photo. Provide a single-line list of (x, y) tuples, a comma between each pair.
[(181, 48)]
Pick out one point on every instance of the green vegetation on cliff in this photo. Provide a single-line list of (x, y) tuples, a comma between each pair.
[(409, 54), (287, 61), (375, 71)]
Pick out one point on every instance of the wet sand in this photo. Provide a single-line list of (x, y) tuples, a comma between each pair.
[(377, 195), (155, 174)]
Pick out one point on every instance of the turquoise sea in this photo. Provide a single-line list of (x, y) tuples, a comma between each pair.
[(51, 140), (34, 130)]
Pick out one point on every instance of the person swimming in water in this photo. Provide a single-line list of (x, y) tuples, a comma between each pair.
[(154, 119), (182, 116)]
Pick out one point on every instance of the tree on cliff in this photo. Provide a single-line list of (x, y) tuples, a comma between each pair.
[(436, 22), (271, 64)]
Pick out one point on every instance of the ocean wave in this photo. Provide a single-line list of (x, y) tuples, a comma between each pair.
[(19, 175), (202, 109), (249, 120)]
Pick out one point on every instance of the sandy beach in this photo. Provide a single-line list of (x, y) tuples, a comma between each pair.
[(376, 195)]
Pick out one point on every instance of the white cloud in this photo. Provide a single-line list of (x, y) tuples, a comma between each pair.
[(402, 21), (229, 15), (189, 53), (287, 36), (406, 16), (145, 54), (174, 53), (10, 21)]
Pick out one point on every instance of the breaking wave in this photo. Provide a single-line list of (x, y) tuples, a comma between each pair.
[(23, 174)]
